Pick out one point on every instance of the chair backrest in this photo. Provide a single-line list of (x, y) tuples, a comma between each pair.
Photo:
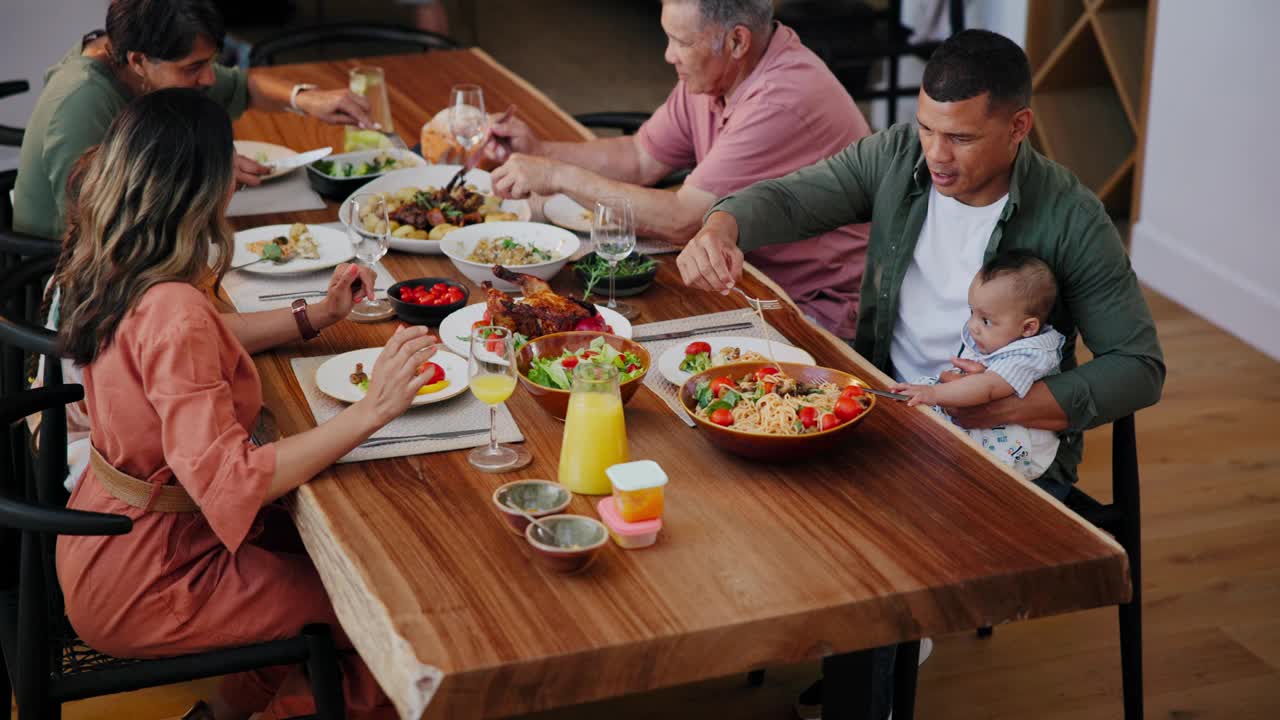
[(12, 136), (344, 40)]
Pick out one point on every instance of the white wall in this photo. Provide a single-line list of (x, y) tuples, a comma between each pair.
[(34, 35), (1206, 236)]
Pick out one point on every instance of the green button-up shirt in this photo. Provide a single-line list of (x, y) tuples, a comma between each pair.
[(883, 179), (80, 99)]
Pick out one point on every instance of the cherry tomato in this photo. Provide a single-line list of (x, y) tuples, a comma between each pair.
[(487, 319), (632, 368), (419, 288), (588, 354), (722, 384), (608, 329), (722, 416), (478, 324), (439, 287), (497, 346), (848, 408), (766, 371), (768, 387), (569, 363), (595, 324), (808, 416), (828, 421), (434, 372), (698, 347), (852, 391)]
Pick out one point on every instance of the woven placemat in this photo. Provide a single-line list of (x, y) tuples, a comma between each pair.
[(459, 413), (245, 289), (653, 380)]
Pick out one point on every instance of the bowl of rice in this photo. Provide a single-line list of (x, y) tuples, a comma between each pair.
[(531, 248)]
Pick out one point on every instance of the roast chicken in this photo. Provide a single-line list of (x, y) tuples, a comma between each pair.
[(542, 311)]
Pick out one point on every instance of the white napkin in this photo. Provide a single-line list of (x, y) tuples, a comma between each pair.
[(287, 194), (244, 288)]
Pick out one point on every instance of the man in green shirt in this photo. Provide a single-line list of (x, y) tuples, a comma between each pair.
[(148, 45), (943, 198)]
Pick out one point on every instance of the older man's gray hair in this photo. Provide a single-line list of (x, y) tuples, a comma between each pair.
[(756, 15)]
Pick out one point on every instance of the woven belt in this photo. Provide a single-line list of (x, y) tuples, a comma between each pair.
[(153, 497)]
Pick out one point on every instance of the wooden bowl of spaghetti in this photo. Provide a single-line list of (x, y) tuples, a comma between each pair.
[(775, 425)]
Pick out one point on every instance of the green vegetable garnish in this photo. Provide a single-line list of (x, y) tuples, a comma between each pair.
[(696, 363), (551, 372), (597, 269), (272, 252)]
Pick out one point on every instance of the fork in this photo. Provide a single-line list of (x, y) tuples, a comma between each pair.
[(301, 294), (393, 439), (758, 303)]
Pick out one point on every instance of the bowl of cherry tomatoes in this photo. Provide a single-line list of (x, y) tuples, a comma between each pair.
[(425, 301)]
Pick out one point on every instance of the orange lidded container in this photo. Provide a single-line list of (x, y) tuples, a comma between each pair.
[(638, 489)]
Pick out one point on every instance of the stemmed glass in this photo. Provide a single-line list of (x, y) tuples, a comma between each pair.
[(369, 229), (613, 233), (492, 377), (468, 122)]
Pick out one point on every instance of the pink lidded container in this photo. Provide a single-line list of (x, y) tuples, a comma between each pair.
[(628, 535)]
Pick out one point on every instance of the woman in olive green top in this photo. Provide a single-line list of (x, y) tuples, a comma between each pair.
[(148, 45)]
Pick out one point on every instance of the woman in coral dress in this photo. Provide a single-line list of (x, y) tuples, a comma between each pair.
[(173, 395)]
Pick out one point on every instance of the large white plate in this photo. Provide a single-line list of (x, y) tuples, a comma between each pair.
[(435, 176), (255, 150), (669, 361), (334, 248), (334, 376), (567, 213), (455, 329)]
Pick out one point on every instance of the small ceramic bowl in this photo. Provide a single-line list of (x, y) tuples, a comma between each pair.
[(539, 498), (415, 314), (578, 540)]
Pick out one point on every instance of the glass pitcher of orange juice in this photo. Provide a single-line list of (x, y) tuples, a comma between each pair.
[(595, 434), (370, 83)]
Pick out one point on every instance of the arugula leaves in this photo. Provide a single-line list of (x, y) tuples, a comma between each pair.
[(596, 269)]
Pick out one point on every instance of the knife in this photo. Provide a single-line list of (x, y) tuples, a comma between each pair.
[(886, 393), (696, 331), (297, 161)]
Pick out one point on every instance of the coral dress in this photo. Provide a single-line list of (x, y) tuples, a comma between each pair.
[(172, 400)]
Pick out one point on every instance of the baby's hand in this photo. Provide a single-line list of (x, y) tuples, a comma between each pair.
[(916, 394)]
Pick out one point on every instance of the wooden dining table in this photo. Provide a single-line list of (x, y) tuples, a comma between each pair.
[(908, 530)]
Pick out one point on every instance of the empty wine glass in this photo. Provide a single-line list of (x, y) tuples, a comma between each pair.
[(369, 229), (491, 374), (613, 233), (468, 122)]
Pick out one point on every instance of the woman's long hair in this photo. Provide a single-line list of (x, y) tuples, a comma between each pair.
[(151, 201)]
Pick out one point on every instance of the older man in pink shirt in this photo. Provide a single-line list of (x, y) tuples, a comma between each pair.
[(752, 103)]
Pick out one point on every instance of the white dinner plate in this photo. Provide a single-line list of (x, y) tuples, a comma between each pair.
[(335, 248), (265, 152), (567, 213), (334, 376), (434, 176), (669, 361), (455, 328)]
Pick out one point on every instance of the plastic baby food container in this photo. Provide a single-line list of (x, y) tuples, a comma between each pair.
[(628, 535), (637, 489)]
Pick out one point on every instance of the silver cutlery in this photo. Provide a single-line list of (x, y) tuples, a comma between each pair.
[(742, 325), (758, 303), (886, 393), (245, 265), (301, 294), (394, 439), (297, 161)]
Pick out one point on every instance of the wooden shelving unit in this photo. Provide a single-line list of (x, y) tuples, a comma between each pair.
[(1090, 61)]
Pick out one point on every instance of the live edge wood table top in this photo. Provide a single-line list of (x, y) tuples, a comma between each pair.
[(908, 531)]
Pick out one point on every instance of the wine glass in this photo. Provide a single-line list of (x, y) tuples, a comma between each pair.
[(613, 233), (492, 377), (468, 122), (369, 229)]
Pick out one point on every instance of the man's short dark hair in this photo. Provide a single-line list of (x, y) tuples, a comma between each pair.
[(161, 29), (1033, 280), (973, 62)]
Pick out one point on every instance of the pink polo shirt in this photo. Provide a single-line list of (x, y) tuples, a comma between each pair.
[(790, 112)]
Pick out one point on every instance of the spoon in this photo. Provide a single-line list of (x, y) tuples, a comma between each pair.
[(549, 533)]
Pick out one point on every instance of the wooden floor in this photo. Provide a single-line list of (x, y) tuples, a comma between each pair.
[(1211, 539)]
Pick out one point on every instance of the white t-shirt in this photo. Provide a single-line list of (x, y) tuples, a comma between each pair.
[(933, 303)]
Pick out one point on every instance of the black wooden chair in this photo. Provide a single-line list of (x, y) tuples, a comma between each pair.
[(628, 123), (346, 40), (850, 36), (1122, 518), (11, 137), (44, 659)]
